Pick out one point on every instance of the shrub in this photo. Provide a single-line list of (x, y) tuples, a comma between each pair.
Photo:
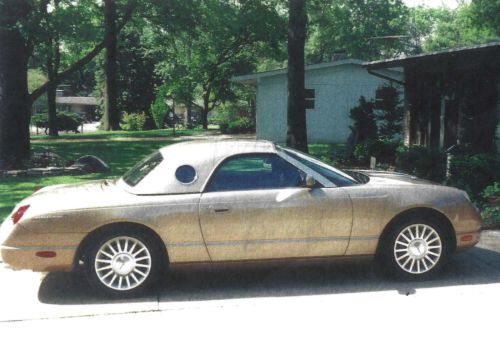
[(473, 173), (66, 121), (133, 122), (237, 126), (232, 122), (384, 150), (364, 126), (491, 209), (159, 107), (389, 111), (422, 162)]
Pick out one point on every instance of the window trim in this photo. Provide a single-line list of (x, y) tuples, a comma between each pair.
[(326, 183), (330, 184), (224, 160)]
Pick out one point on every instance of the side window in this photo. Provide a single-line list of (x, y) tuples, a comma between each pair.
[(254, 172), (186, 174)]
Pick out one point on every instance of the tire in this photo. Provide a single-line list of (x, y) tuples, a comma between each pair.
[(413, 250), (124, 264)]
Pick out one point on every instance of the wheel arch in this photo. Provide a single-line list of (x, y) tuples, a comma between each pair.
[(112, 227), (443, 222)]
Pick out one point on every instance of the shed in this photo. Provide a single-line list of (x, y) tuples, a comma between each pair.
[(332, 88)]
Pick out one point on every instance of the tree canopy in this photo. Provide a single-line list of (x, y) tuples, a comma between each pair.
[(188, 50)]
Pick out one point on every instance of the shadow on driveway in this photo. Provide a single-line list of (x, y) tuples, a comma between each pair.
[(473, 267)]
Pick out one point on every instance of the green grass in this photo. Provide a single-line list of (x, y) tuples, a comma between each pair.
[(120, 155), (101, 135)]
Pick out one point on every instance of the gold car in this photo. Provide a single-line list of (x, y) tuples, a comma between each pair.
[(217, 201)]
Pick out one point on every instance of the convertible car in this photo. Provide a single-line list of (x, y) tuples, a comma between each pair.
[(238, 200)]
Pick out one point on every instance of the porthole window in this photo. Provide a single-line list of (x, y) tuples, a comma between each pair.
[(185, 174)]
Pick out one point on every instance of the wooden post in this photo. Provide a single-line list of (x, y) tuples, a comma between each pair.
[(406, 119), (442, 126)]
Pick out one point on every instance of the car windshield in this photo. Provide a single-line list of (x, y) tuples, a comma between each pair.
[(141, 169), (336, 176)]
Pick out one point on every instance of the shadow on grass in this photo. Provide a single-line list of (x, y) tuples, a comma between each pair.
[(120, 156), (474, 267)]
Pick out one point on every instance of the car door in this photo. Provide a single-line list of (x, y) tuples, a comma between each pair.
[(254, 207)]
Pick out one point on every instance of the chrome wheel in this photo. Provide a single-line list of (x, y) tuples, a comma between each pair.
[(418, 248), (123, 263)]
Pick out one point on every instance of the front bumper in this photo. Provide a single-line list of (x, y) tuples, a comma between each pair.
[(467, 240)]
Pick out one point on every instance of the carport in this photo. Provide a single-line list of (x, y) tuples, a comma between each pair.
[(451, 96)]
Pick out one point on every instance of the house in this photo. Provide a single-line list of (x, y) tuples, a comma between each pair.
[(451, 96), (82, 105), (332, 90)]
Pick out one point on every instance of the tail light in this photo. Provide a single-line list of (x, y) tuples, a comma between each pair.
[(16, 217)]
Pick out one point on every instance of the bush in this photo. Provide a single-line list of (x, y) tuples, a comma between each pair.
[(422, 162), (384, 150), (133, 122), (473, 173), (491, 209), (237, 126), (364, 127), (66, 121), (159, 107)]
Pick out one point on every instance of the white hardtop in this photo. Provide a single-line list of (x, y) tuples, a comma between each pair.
[(203, 156)]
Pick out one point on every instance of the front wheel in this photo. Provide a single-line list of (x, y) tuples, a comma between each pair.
[(125, 264), (413, 250)]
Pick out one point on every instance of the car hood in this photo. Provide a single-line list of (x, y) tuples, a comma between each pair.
[(393, 178)]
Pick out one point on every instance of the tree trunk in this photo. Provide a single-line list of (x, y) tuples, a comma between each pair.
[(52, 110), (14, 99), (296, 119), (111, 117), (204, 111), (187, 117), (53, 60)]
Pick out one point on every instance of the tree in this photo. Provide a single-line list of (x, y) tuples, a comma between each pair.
[(136, 78), (389, 112), (19, 31), (53, 60), (202, 44), (440, 28), (14, 97), (485, 15), (365, 127), (296, 136), (365, 29), (111, 117)]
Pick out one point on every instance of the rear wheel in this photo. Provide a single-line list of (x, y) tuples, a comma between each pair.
[(413, 249), (124, 264)]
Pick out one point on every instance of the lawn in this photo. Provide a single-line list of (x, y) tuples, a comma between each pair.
[(119, 154), (100, 135)]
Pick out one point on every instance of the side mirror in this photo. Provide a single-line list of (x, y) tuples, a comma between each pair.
[(309, 182)]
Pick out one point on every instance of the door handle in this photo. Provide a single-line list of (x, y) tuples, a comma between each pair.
[(220, 210)]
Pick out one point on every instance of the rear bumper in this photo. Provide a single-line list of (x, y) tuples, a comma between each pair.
[(25, 258)]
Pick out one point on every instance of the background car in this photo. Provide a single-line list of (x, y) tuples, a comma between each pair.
[(217, 201)]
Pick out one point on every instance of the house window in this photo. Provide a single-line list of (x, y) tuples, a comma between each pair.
[(310, 96)]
